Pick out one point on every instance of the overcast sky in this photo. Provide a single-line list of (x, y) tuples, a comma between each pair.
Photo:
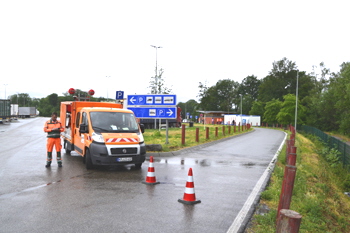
[(50, 46)]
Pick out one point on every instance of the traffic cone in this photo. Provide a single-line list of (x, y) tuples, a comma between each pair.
[(189, 195), (151, 178)]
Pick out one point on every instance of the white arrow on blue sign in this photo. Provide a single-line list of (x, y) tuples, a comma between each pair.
[(151, 100), (155, 112)]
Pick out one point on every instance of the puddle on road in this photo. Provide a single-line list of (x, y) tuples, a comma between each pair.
[(193, 161), (248, 165), (208, 162)]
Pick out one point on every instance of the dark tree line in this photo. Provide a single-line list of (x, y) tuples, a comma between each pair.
[(49, 104), (323, 97)]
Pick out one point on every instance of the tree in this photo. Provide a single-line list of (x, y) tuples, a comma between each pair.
[(48, 105), (22, 99), (206, 97), (247, 103), (157, 84), (323, 81), (226, 91), (250, 86), (282, 67), (258, 108), (220, 97), (272, 108), (208, 100), (287, 113), (280, 81), (319, 102), (341, 89), (189, 107), (249, 90)]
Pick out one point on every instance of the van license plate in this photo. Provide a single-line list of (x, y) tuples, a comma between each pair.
[(127, 159)]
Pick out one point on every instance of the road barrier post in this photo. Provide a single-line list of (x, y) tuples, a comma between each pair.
[(223, 130), (216, 131), (289, 221), (287, 149), (292, 156), (183, 134), (287, 188), (292, 137), (207, 132), (197, 134)]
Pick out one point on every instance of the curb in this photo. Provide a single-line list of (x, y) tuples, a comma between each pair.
[(193, 148)]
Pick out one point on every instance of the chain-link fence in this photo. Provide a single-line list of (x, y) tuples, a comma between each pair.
[(332, 142)]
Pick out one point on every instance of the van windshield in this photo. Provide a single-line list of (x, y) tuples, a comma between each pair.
[(116, 122)]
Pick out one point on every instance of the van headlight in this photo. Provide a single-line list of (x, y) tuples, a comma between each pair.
[(97, 137)]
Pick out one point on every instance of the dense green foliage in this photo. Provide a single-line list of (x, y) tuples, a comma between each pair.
[(323, 97)]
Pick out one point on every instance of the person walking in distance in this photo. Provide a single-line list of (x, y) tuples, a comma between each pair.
[(53, 128)]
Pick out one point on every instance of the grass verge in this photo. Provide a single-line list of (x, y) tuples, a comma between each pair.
[(318, 193), (154, 136)]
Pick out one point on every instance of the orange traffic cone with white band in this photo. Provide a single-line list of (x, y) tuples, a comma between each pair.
[(189, 195), (151, 178)]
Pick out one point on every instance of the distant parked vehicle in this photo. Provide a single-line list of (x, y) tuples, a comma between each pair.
[(26, 112)]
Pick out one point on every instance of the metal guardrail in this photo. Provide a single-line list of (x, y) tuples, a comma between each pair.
[(332, 142)]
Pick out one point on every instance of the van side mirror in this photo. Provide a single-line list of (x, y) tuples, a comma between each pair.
[(83, 128), (142, 127)]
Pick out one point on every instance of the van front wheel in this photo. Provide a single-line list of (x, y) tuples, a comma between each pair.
[(88, 161), (65, 147)]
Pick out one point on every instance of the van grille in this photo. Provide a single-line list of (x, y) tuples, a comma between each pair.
[(123, 151)]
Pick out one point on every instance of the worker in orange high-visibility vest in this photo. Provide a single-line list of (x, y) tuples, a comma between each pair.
[(53, 128)]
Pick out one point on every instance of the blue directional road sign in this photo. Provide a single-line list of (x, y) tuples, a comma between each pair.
[(156, 112), (154, 100), (119, 95)]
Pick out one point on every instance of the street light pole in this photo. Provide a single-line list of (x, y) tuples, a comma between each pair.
[(241, 110), (296, 102), (156, 77)]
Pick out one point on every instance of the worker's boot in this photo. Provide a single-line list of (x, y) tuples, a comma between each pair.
[(49, 158), (59, 159)]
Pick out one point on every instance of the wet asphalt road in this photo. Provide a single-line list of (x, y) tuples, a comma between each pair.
[(73, 199)]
